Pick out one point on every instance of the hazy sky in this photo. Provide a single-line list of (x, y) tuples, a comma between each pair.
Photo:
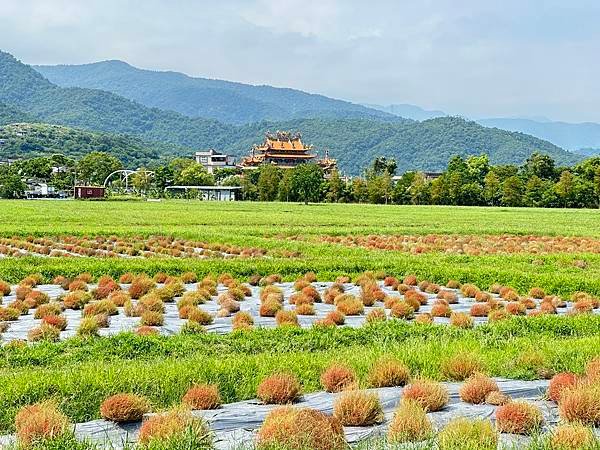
[(471, 57)]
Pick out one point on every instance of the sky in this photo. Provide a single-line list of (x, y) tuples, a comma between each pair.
[(475, 58)]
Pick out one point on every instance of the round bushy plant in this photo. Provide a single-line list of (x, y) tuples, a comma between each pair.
[(177, 428), (44, 332), (409, 424), (202, 396), (337, 377), (465, 434), (122, 408), (573, 436), (518, 417), (280, 389), (559, 383), (39, 422), (388, 372), (476, 388), (300, 429), (581, 404), (431, 395), (88, 327), (358, 408)]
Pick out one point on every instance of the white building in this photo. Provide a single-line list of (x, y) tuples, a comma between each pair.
[(211, 159)]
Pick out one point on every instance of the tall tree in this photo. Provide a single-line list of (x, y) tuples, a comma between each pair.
[(565, 187), (306, 182), (268, 182), (195, 175), (492, 188), (95, 167), (335, 187), (512, 191)]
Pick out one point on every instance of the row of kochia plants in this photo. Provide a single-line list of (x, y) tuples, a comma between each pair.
[(145, 297), (291, 427)]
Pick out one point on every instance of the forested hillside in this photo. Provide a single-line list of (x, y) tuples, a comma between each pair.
[(9, 114), (225, 101), (355, 142)]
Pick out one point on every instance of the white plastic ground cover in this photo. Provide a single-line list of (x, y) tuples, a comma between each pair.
[(235, 424), (172, 323)]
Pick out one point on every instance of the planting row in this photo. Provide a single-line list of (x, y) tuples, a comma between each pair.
[(168, 305), (476, 412), (122, 247), (469, 244)]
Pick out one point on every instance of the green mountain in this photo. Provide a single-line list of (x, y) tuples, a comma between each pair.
[(354, 142), (225, 101), (10, 114), (27, 140), (408, 111)]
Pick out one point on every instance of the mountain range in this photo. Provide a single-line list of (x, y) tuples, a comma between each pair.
[(354, 134)]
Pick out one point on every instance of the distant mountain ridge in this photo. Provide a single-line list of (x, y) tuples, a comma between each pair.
[(355, 142), (408, 111), (226, 101)]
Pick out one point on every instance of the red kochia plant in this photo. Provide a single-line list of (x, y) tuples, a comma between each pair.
[(431, 395), (358, 408), (40, 421), (387, 372), (58, 322), (337, 377), (592, 370), (480, 310), (299, 429), (162, 429), (4, 288), (476, 388), (279, 389), (559, 383), (518, 417), (581, 404), (202, 396), (124, 407), (336, 317)]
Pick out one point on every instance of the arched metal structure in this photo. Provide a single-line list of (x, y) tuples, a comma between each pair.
[(124, 175)]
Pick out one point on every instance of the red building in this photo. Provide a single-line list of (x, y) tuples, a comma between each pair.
[(89, 191)]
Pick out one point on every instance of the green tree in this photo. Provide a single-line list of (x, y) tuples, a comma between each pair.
[(306, 182), (542, 166), (95, 167), (512, 191), (335, 187), (534, 192), (597, 184), (359, 190), (285, 193), (195, 175), (419, 190), (565, 187), (141, 180), (492, 188), (268, 182), (11, 186)]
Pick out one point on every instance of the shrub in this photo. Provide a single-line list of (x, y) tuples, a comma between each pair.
[(572, 436), (440, 310), (376, 315), (402, 310), (480, 310), (311, 293), (468, 434), (453, 284), (88, 327), (461, 366), (200, 316), (425, 319), (5, 288), (305, 310), (123, 408), (152, 318), (44, 332), (350, 306), (410, 280), (279, 389), (518, 417), (476, 388), (483, 297), (469, 290), (559, 383), (336, 317), (498, 315), (146, 330), (9, 314), (581, 404), (78, 285), (537, 292), (269, 308), (151, 302), (515, 308), (194, 298), (140, 286), (189, 277), (409, 424), (126, 278), (449, 296), (242, 320), (388, 372), (417, 297), (592, 370), (300, 429), (461, 320), (286, 318), (202, 396), (36, 298), (58, 322), (431, 395), (358, 408), (497, 398), (337, 377), (177, 428), (76, 299), (118, 298), (39, 422)]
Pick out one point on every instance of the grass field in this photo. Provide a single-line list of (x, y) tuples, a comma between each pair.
[(80, 373)]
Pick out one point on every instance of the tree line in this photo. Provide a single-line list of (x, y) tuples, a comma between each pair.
[(471, 181)]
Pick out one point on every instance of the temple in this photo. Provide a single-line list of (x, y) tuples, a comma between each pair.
[(286, 150)]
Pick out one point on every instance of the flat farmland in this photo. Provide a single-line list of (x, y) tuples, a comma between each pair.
[(157, 299)]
